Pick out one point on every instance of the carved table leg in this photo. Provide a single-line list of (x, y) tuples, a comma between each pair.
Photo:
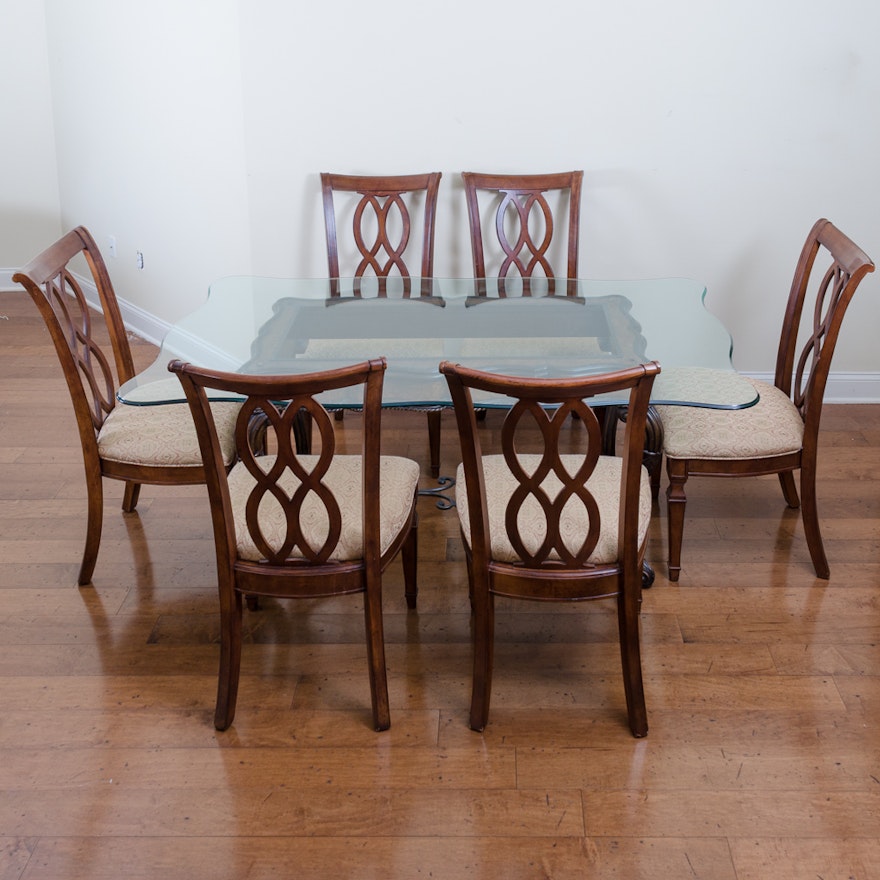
[(652, 458)]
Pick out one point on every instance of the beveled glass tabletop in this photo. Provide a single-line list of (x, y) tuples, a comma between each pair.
[(543, 328)]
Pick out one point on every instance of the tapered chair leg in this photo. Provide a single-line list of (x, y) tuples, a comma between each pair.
[(810, 514), (676, 501), (94, 524), (130, 496), (469, 562), (789, 489), (484, 642), (434, 441), (410, 557), (630, 656), (376, 653), (230, 661)]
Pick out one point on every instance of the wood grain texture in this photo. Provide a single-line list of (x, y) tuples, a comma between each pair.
[(762, 686)]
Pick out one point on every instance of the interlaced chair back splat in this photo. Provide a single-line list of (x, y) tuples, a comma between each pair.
[(381, 225), (523, 225)]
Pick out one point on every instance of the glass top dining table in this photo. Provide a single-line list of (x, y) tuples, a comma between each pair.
[(543, 328)]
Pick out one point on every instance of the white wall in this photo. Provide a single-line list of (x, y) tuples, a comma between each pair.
[(29, 203), (711, 135), (148, 111)]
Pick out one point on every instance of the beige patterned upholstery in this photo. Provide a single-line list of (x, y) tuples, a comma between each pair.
[(163, 436), (773, 426), (398, 480), (604, 484)]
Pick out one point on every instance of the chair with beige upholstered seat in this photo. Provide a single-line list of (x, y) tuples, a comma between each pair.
[(540, 524), (780, 434), (303, 525), (136, 444)]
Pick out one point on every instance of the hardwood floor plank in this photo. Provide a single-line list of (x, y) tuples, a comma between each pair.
[(643, 765), (538, 727), (98, 692), (734, 813), (342, 767), (382, 858), (15, 855), (112, 810), (794, 858), (193, 728)]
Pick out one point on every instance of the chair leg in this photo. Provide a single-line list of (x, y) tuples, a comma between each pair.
[(130, 496), (469, 563), (376, 652), (676, 500), (409, 556), (483, 604), (630, 656), (652, 457), (230, 657), (653, 463), (94, 524), (810, 514), (789, 489), (434, 441)]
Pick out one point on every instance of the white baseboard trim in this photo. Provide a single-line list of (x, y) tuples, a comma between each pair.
[(841, 387), (137, 320), (141, 322)]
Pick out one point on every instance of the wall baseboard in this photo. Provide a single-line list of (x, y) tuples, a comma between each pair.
[(138, 320), (841, 388)]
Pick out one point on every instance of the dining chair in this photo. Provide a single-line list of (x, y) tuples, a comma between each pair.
[(551, 525), (780, 433), (520, 208), (294, 525), (381, 211), (135, 444)]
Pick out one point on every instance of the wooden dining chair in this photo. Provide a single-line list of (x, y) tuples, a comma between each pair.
[(296, 525), (538, 523), (381, 247), (381, 211), (520, 209), (135, 444), (780, 433)]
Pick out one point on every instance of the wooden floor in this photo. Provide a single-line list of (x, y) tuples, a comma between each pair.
[(762, 682)]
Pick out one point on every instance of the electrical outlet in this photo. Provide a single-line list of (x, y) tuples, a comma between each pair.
[(140, 260), (111, 245)]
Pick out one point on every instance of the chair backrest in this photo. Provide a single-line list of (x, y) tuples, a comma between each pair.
[(287, 480), (538, 425), (522, 216), (54, 284), (381, 222), (802, 373)]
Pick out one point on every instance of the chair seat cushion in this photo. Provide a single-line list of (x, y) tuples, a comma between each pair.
[(163, 435), (773, 426), (604, 484), (398, 481)]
